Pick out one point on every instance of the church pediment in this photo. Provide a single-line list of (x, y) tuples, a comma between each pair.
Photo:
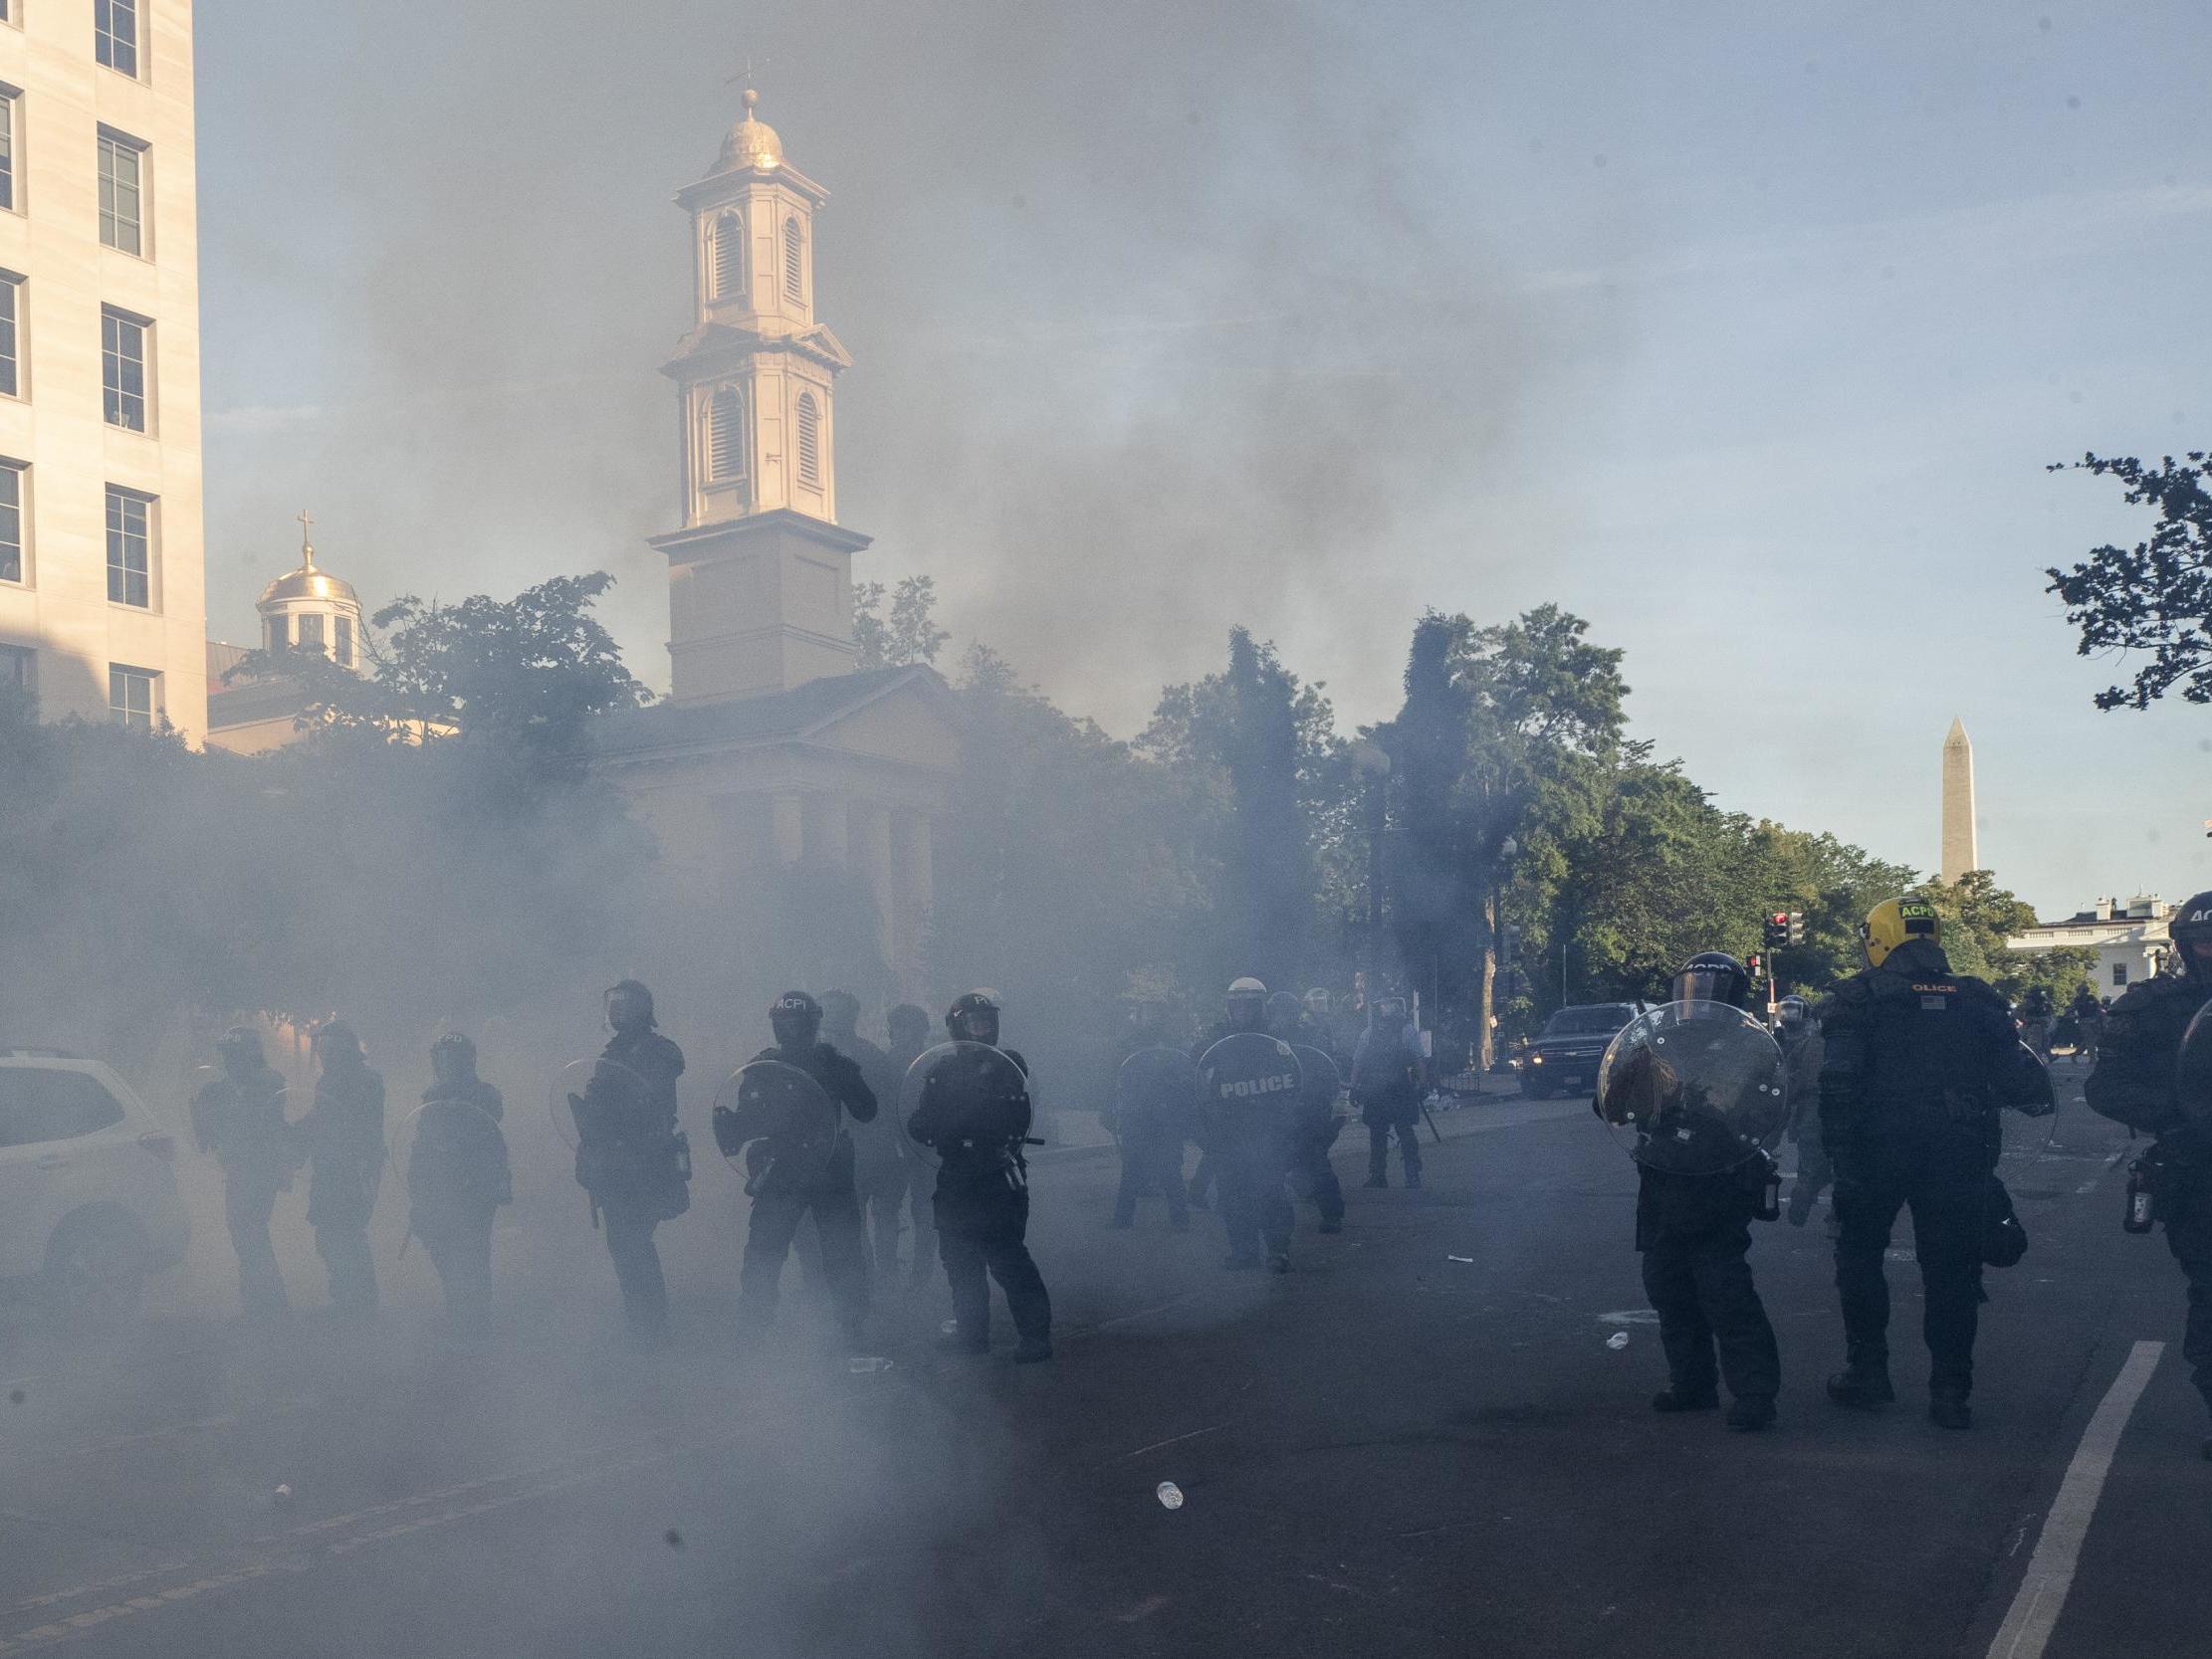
[(715, 346), (895, 716)]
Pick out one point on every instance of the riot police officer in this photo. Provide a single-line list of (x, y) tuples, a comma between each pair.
[(1916, 1061), (343, 1136), (1799, 1037), (880, 1160), (457, 1178), (1693, 1230), (1248, 1124), (1155, 1090), (239, 1117), (1318, 1124), (2133, 1083), (799, 1179), (1388, 1075), (976, 1117), (630, 1158), (909, 1030)]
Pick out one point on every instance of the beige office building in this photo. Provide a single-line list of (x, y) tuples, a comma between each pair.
[(102, 585)]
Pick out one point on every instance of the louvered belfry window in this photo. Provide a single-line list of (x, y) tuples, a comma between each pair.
[(726, 437), (810, 441), (791, 288), (728, 255)]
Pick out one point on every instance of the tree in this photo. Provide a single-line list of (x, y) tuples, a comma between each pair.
[(907, 633), (2156, 596), (1979, 915)]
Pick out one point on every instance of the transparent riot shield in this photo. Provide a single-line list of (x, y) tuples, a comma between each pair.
[(1320, 1088), (775, 1123), (247, 1127), (451, 1156), (2193, 1070), (1156, 1090), (1694, 1088), (603, 1094), (976, 1095), (1253, 1086)]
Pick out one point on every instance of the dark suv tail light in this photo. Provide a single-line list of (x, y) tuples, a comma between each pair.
[(162, 1146)]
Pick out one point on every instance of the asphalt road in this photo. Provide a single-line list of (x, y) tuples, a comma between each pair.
[(1388, 1451)]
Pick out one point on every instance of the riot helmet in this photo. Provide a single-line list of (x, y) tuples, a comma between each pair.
[(1894, 921), (1148, 1019), (1391, 1010), (631, 1006), (1285, 1012), (453, 1058), (1795, 1014), (1713, 976), (240, 1048), (841, 1012), (909, 1026), (797, 1020), (974, 1017), (335, 1044), (1248, 1005), (1317, 1005), (2190, 929)]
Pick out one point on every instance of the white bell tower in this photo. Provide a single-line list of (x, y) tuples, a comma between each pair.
[(760, 573)]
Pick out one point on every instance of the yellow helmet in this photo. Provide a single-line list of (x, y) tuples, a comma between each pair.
[(1893, 922)]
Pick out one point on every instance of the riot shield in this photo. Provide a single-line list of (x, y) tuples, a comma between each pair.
[(245, 1129), (1156, 1090), (1252, 1088), (2193, 1070), (1319, 1088), (1693, 1088), (974, 1093), (774, 1120), (603, 1093), (450, 1146)]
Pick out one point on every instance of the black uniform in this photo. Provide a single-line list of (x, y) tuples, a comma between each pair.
[(1251, 1140), (636, 1168), (1150, 1120), (344, 1135), (1915, 1061), (457, 1178), (1386, 1087), (794, 1184), (982, 1202), (2133, 1084), (1317, 1128), (240, 1119), (1694, 1233)]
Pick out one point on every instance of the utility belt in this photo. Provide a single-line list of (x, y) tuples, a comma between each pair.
[(2154, 1180)]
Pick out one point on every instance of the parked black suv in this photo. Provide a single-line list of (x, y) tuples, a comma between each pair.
[(1563, 1057)]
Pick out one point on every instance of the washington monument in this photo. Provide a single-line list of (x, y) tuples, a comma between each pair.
[(1959, 851)]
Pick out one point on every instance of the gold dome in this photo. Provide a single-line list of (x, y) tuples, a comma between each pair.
[(308, 582), (751, 142)]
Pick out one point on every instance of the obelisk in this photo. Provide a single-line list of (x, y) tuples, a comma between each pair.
[(1959, 851)]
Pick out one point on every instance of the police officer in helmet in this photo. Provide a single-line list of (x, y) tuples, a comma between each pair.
[(1694, 1231), (239, 1118), (977, 1117), (1916, 1061), (1150, 1118), (1249, 1126), (1318, 1124), (2133, 1083), (630, 1157)]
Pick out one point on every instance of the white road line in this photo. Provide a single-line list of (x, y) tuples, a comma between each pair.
[(2042, 1590)]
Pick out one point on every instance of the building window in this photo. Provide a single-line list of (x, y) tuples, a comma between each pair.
[(18, 666), (727, 255), (129, 548), (342, 640), (134, 695), (810, 441), (2120, 975), (725, 437), (276, 633), (11, 315), (123, 368), (122, 192), (311, 631), (791, 288), (7, 147), (115, 35), (11, 521)]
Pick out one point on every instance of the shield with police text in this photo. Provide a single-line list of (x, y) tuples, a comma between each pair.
[(2193, 1070), (1252, 1088), (969, 1095), (601, 1096), (773, 1122), (1694, 1088), (1156, 1091)]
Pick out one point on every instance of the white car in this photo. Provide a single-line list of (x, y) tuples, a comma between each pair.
[(88, 1206)]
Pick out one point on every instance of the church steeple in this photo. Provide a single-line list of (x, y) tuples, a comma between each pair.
[(760, 573)]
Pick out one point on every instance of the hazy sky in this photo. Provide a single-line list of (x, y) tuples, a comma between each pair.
[(1745, 331)]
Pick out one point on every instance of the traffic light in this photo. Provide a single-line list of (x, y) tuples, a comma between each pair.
[(1797, 928), (1754, 964), (1778, 930)]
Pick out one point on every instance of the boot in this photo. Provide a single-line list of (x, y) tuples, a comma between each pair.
[(1279, 1262), (1031, 1350), (1752, 1413), (1674, 1400), (1950, 1411), (1863, 1385), (1378, 1179), (1413, 1180), (1334, 1224)]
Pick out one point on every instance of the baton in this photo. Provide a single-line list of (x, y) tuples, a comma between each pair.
[(1432, 1129)]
